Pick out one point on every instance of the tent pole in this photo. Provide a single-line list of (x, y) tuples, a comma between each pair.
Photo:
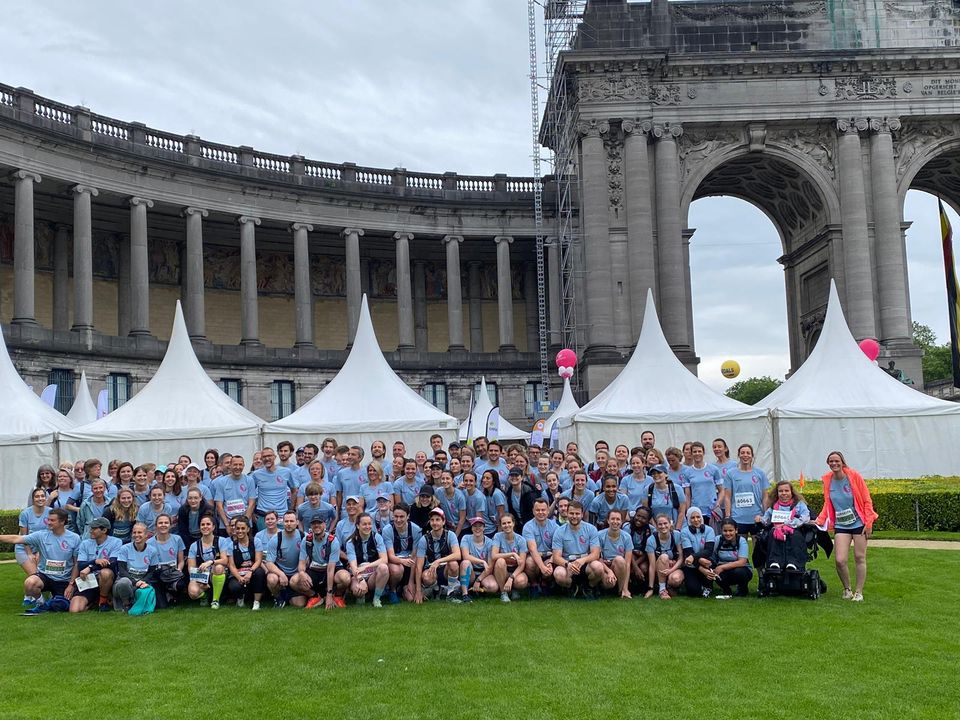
[(775, 431)]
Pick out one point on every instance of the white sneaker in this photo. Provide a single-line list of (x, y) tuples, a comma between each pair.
[(240, 603), (847, 594), (504, 597), (215, 605), (706, 592), (376, 602), (256, 605), (857, 597), (791, 567), (722, 597)]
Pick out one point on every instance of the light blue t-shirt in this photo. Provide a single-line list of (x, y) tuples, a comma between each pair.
[(490, 515), (138, 561), (501, 468), (407, 491), (746, 493), (610, 548), (234, 493), (344, 530), (306, 513), (31, 521), (666, 547), (481, 551), (406, 541), (841, 495), (542, 535), (148, 515), (273, 489), (586, 499), (285, 552), (600, 507), (475, 504), (635, 488), (201, 553), (661, 501), (436, 544), (89, 551), (320, 554), (505, 545), (349, 481), (703, 484), (696, 541), (722, 554), (365, 555), (452, 507), (370, 493), (327, 493), (574, 544), (168, 549)]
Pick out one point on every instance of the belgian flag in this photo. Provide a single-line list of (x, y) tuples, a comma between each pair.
[(953, 296)]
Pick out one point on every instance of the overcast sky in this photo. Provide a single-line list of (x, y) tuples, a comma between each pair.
[(428, 85)]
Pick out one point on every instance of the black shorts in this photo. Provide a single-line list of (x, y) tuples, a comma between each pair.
[(92, 596), (405, 578), (848, 531), (318, 579), (54, 587), (749, 528)]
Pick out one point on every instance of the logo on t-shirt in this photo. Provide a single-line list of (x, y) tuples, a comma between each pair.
[(754, 479), (582, 539), (243, 488), (279, 480)]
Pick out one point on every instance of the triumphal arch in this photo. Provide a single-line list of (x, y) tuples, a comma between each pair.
[(821, 113)]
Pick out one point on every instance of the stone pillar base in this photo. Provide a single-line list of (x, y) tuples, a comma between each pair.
[(907, 357), (457, 349), (508, 348), (24, 321)]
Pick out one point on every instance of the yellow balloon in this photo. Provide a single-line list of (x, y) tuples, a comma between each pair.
[(730, 369)]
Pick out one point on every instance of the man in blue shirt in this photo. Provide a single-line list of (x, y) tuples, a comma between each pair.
[(97, 555), (493, 462), (274, 484), (576, 547), (57, 548), (281, 558), (349, 479)]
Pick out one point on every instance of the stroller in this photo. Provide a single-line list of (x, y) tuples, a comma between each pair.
[(784, 571)]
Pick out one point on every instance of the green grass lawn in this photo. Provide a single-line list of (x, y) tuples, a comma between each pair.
[(894, 656)]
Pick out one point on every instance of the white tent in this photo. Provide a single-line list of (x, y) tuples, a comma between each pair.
[(27, 428), (83, 410), (477, 422), (181, 410), (656, 392), (565, 408), (366, 401), (839, 400)]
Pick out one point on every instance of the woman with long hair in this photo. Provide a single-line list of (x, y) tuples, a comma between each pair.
[(122, 514)]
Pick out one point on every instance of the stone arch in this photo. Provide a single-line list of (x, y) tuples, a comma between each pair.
[(928, 159)]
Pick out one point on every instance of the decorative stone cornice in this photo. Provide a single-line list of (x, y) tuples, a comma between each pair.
[(885, 125), (245, 219), (593, 128), (667, 131), (138, 201), (78, 189), (25, 175), (636, 126), (852, 126)]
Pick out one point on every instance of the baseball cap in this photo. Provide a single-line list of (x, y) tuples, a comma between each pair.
[(355, 498), (100, 522), (427, 490), (475, 520), (438, 511)]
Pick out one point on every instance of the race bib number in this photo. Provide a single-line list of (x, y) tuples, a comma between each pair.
[(235, 507), (744, 500), (780, 516), (200, 576), (54, 567), (317, 566), (846, 517)]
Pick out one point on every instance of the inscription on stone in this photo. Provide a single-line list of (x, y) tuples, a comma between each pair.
[(941, 87)]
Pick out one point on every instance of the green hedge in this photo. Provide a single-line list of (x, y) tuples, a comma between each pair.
[(9, 526), (938, 510)]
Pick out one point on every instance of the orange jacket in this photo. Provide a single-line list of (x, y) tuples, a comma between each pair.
[(861, 500)]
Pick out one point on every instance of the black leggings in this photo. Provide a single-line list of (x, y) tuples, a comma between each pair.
[(257, 584), (694, 580), (739, 576), (791, 551)]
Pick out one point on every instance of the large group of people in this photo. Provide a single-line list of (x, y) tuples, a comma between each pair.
[(334, 524)]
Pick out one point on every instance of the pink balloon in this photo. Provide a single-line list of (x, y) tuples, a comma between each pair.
[(566, 358), (871, 348)]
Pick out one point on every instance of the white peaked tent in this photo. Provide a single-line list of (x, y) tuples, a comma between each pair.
[(565, 408), (656, 392), (366, 401), (839, 400), (181, 410), (477, 422), (83, 410), (27, 428)]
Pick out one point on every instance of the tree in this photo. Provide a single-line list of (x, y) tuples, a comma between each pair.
[(937, 361), (753, 390), (923, 336)]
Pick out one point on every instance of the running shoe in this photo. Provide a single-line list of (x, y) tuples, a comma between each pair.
[(514, 595), (339, 601), (706, 592), (240, 603), (376, 602), (215, 605), (279, 603), (467, 598), (665, 595), (105, 607), (857, 597), (313, 602), (393, 598), (774, 567), (847, 594), (791, 567), (30, 602), (456, 597), (504, 597), (256, 605)]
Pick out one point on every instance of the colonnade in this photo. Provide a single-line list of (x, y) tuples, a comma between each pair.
[(133, 305)]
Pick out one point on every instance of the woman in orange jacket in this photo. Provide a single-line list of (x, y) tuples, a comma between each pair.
[(847, 507)]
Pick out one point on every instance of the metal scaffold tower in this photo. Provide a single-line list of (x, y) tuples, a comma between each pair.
[(561, 21)]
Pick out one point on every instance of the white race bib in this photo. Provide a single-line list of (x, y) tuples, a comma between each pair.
[(200, 576), (235, 507), (744, 499), (780, 516), (54, 567), (846, 517)]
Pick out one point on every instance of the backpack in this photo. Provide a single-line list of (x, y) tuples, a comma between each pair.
[(673, 494), (280, 543), (238, 555), (198, 555), (673, 545), (431, 554), (326, 547), (371, 553), (397, 548)]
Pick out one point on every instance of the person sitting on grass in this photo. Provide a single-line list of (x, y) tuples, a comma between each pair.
[(207, 564), (785, 546), (640, 531), (476, 570), (730, 565), (539, 534), (367, 560), (32, 519), (664, 558), (401, 538), (56, 548), (248, 580), (318, 564), (438, 561), (576, 551), (509, 557), (616, 550), (170, 580), (282, 558), (698, 540), (97, 555), (348, 525), (136, 568)]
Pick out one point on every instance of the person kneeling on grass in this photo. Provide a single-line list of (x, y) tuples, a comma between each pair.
[(785, 547), (616, 551), (730, 564), (282, 558), (207, 564), (664, 558), (698, 540), (438, 561), (97, 555), (400, 538), (509, 557), (136, 568), (57, 550), (248, 579), (640, 531), (576, 552), (170, 580), (367, 560), (475, 549), (539, 534), (318, 565)]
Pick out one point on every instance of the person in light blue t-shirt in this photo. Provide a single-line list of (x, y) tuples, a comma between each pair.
[(730, 565), (606, 501), (282, 560), (698, 540), (509, 557), (57, 550), (635, 484), (349, 479), (745, 493), (616, 552), (476, 570), (97, 556), (495, 502), (576, 551), (703, 485), (665, 558), (367, 561), (32, 519)]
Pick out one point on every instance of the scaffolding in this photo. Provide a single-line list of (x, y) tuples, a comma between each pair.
[(561, 21)]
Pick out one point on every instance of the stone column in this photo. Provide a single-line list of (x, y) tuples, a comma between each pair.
[(352, 237), (504, 293), (531, 311), (249, 309), (139, 267), (61, 278), (640, 256), (83, 258), (24, 299), (553, 289), (123, 286), (671, 271), (420, 304), (595, 218), (404, 292), (857, 258), (302, 292), (474, 288), (454, 293), (895, 325), (195, 312)]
